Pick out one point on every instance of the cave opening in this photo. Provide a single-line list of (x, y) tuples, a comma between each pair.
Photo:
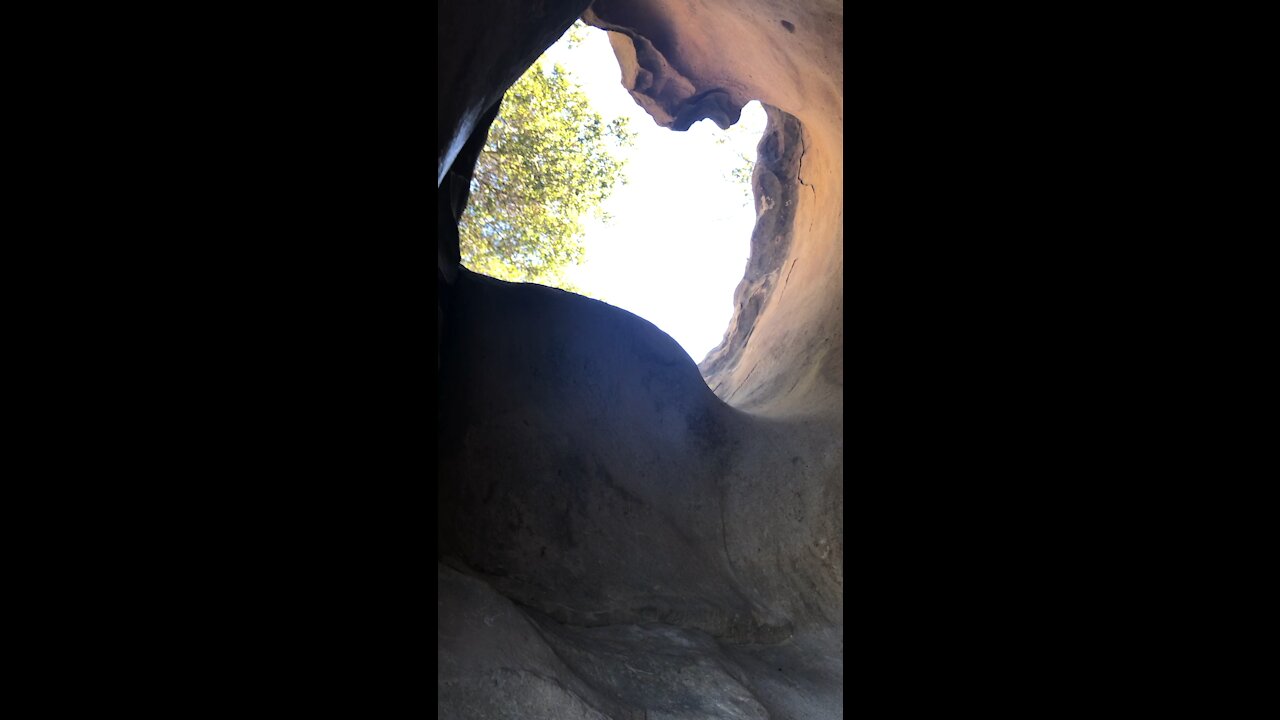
[(623, 532), (673, 238)]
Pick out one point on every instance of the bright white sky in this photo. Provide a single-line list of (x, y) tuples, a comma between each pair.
[(681, 231)]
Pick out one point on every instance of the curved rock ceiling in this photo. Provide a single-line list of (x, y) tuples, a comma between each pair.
[(620, 534)]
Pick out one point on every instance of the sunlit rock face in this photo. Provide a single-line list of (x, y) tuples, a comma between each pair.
[(623, 534)]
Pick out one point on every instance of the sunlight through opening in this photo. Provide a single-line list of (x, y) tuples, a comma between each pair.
[(678, 233)]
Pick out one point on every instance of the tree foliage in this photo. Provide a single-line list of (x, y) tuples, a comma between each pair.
[(547, 166), (744, 165)]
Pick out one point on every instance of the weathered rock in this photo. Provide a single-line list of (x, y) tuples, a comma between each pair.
[(622, 535), (475, 626)]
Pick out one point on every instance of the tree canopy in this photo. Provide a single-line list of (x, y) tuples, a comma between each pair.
[(547, 166)]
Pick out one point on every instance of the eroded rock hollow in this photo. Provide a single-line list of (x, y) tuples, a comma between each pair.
[(622, 533)]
